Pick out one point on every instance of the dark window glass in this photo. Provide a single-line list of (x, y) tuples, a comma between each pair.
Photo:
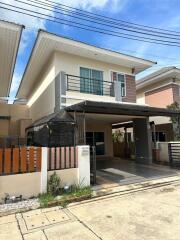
[(96, 139)]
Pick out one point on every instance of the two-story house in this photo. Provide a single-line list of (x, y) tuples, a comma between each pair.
[(77, 92), (160, 89)]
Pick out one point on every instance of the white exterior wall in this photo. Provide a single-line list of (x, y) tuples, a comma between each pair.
[(42, 100), (71, 64)]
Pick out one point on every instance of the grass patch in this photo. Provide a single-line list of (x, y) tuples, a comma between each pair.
[(74, 194), (45, 198)]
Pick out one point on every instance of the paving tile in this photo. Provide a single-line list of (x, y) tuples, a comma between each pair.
[(7, 219), (57, 216), (10, 231), (44, 210), (39, 235), (32, 213), (36, 221), (69, 231)]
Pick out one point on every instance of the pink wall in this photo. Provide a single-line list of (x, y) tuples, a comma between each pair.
[(160, 98)]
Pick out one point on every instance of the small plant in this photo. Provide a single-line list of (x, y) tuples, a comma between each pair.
[(45, 198), (117, 136), (54, 184)]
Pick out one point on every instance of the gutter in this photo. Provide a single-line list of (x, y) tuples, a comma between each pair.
[(22, 28)]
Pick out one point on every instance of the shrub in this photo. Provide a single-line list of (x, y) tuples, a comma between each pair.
[(54, 184)]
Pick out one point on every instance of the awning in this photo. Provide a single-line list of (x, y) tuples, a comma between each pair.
[(121, 109), (61, 116)]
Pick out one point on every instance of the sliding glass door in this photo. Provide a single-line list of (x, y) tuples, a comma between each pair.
[(96, 139), (91, 81)]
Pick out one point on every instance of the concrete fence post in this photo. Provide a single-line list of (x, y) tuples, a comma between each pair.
[(83, 165), (44, 170)]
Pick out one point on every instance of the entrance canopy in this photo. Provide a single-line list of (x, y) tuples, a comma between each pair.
[(121, 109)]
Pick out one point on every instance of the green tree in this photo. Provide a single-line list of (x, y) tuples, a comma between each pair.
[(175, 121)]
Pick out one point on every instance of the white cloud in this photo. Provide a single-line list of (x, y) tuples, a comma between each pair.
[(32, 24), (89, 5)]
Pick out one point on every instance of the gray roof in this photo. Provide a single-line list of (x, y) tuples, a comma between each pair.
[(61, 116), (121, 109), (159, 75)]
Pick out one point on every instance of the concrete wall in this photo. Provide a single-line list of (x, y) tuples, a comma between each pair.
[(163, 151), (14, 126), (31, 184), (27, 184), (67, 176)]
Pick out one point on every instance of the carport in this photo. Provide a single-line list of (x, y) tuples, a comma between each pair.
[(94, 116)]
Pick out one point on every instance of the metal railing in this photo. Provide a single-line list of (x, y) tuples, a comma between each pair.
[(89, 85), (174, 154)]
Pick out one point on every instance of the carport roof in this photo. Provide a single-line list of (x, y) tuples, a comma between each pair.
[(10, 35), (121, 109)]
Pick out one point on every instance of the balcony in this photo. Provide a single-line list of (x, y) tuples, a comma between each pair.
[(89, 85)]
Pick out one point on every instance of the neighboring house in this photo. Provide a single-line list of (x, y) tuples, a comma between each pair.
[(160, 89), (13, 118), (93, 88)]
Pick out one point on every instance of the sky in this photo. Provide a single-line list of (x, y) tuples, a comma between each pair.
[(155, 13)]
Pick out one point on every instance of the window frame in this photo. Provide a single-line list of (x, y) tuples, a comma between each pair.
[(121, 73), (92, 69)]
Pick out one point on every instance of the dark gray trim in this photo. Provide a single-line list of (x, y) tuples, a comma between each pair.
[(121, 109)]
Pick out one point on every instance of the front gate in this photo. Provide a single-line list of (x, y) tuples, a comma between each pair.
[(93, 164), (174, 154)]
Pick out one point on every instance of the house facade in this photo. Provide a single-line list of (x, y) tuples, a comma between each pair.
[(160, 89), (62, 73)]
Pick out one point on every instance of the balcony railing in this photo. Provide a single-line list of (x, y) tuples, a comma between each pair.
[(89, 85)]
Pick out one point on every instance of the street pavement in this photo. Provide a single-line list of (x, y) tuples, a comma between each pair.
[(147, 215)]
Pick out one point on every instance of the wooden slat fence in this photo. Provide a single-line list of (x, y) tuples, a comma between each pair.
[(62, 158), (20, 160), (174, 154)]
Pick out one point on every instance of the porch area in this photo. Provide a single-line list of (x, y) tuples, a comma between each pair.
[(96, 120), (118, 172)]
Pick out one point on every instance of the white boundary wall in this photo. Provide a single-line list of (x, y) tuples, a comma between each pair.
[(31, 184)]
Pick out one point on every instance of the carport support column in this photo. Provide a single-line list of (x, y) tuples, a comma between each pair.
[(143, 140)]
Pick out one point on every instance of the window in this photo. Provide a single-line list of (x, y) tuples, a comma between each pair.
[(96, 139), (91, 81), (160, 137), (115, 76)]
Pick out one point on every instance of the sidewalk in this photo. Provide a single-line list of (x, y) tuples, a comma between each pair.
[(147, 215)]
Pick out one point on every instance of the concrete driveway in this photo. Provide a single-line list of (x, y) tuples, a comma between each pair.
[(149, 215)]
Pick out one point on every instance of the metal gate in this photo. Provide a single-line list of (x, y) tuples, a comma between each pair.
[(93, 164), (174, 154)]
